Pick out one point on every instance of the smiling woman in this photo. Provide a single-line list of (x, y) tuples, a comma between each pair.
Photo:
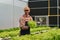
[(23, 22)]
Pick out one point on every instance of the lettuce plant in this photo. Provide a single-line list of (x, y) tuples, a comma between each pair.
[(32, 24)]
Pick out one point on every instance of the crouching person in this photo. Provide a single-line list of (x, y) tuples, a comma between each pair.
[(23, 22)]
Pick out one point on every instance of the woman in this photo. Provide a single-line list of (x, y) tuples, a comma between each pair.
[(25, 29)]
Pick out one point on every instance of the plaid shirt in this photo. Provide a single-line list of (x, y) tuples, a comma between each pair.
[(23, 20)]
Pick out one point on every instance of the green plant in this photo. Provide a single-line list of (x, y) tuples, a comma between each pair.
[(32, 24), (51, 34)]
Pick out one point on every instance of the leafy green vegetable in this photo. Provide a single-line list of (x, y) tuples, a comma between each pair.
[(32, 24), (51, 34)]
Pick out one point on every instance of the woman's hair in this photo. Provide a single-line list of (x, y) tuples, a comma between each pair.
[(26, 8)]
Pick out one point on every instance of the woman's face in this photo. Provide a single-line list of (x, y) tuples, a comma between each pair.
[(27, 12)]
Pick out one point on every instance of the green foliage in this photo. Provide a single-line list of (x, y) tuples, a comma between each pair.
[(12, 33), (10, 29), (32, 24), (51, 34)]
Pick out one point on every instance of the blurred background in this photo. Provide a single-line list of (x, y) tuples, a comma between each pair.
[(10, 11), (44, 12)]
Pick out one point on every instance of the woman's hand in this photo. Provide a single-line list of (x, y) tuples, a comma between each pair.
[(25, 27)]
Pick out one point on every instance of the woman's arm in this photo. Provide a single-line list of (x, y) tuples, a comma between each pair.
[(31, 18), (21, 23)]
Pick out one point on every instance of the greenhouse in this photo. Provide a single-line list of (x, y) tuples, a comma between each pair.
[(44, 26)]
